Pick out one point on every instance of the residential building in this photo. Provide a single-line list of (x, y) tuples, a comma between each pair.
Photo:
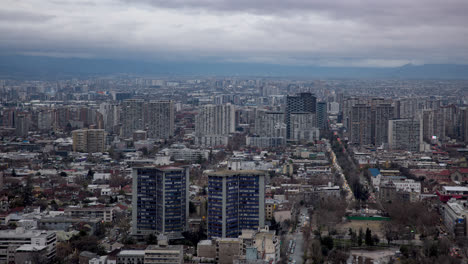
[(10, 240), (404, 134), (104, 213), (89, 140), (131, 257), (303, 102), (160, 119), (132, 116), (214, 123), (455, 215)]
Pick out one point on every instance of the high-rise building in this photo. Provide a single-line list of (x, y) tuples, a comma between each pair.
[(361, 124), (270, 124), (22, 123), (236, 201), (132, 116), (303, 127), (322, 115), (404, 134), (89, 140), (303, 102), (381, 115), (214, 123), (160, 119), (160, 201)]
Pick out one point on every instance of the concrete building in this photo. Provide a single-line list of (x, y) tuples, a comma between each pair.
[(214, 121), (132, 116), (104, 213), (160, 201), (265, 243), (131, 257), (270, 124), (236, 201), (361, 124), (303, 102), (303, 127), (89, 140), (322, 115), (382, 114), (164, 253), (10, 240), (28, 254), (160, 119), (227, 249), (455, 215), (404, 134)]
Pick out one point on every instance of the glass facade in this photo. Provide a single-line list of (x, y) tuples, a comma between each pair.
[(161, 200), (235, 202)]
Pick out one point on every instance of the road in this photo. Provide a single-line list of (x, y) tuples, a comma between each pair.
[(299, 248)]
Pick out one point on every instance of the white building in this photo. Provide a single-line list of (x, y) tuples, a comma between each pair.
[(214, 123), (405, 134), (10, 240)]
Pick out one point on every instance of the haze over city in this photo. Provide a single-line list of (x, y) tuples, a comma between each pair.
[(244, 132)]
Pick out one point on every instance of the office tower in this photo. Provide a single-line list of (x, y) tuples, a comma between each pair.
[(382, 113), (236, 201), (160, 201), (404, 134), (361, 124), (89, 140), (270, 124), (132, 116), (160, 119), (303, 102), (322, 115), (303, 127), (214, 123)]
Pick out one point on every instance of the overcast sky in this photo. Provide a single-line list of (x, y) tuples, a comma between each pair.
[(303, 32)]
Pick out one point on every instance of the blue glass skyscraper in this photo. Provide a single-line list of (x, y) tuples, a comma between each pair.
[(236, 201)]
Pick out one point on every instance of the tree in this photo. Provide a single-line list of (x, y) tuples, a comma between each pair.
[(151, 239), (360, 237), (368, 239), (327, 242)]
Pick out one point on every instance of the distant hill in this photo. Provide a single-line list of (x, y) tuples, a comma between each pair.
[(37, 67)]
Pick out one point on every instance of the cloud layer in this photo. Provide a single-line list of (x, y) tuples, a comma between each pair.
[(304, 32)]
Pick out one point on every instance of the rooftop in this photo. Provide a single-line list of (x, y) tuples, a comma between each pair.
[(236, 172)]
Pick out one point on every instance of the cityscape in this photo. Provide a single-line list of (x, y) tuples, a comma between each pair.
[(246, 132)]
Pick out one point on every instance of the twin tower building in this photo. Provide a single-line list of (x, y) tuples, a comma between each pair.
[(160, 204)]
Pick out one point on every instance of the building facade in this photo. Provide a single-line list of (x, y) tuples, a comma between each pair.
[(89, 140), (236, 201), (160, 201), (160, 119)]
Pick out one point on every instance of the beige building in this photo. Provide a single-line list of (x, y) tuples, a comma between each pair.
[(89, 140), (227, 249)]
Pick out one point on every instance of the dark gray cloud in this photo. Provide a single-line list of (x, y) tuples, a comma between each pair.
[(339, 32)]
